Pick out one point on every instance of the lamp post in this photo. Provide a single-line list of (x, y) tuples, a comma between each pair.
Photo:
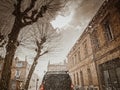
[(37, 83)]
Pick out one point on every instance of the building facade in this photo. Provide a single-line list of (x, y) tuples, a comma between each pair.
[(81, 65), (20, 70), (19, 74), (57, 67), (105, 34), (94, 60)]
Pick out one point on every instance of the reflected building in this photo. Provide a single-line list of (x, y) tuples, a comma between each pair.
[(105, 34), (81, 64), (57, 67), (94, 60), (20, 70), (19, 74)]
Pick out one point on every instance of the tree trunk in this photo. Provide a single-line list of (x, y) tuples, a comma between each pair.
[(10, 52), (31, 72)]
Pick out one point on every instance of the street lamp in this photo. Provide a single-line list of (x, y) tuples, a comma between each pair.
[(37, 83)]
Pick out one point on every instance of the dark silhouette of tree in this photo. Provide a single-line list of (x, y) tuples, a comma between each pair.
[(23, 17)]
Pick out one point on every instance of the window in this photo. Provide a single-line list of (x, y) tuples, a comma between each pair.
[(19, 64), (106, 78), (77, 78), (107, 29), (74, 80), (110, 74), (89, 76), (85, 48), (95, 39), (81, 78), (76, 59), (73, 60), (79, 55), (17, 74)]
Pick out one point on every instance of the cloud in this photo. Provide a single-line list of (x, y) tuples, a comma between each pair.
[(84, 10)]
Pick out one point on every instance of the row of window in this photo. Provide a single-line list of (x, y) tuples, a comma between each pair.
[(108, 35), (78, 78), (77, 57), (19, 64), (18, 72)]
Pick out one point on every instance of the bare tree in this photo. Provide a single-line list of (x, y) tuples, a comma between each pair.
[(26, 12), (44, 40)]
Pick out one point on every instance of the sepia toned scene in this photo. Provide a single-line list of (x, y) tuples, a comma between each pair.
[(59, 44)]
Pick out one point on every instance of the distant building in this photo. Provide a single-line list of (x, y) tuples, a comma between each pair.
[(20, 70), (19, 73), (94, 60), (57, 67)]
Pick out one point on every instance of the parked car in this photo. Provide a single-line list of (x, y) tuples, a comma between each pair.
[(56, 80)]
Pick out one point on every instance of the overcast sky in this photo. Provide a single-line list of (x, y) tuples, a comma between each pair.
[(71, 24)]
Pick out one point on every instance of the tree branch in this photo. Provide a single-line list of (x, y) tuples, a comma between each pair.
[(49, 2), (43, 53), (17, 6), (32, 4), (35, 15)]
